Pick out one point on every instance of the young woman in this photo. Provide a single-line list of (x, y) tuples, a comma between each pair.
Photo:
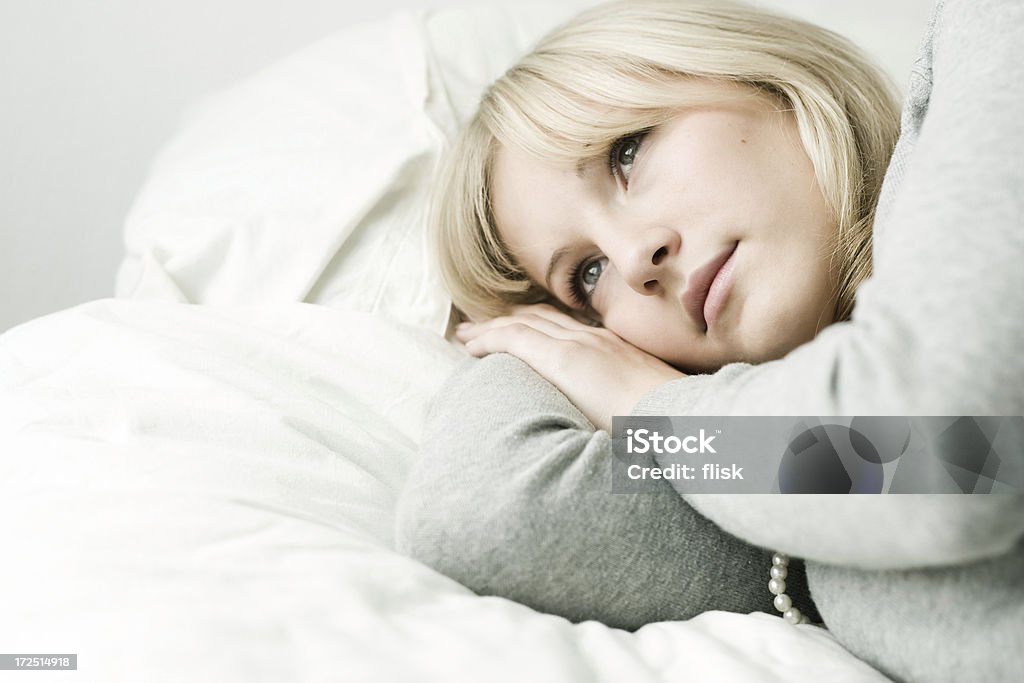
[(669, 208)]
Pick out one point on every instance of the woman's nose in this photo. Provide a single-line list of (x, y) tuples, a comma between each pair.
[(647, 261)]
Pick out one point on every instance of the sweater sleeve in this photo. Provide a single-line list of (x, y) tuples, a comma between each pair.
[(937, 328), (512, 497)]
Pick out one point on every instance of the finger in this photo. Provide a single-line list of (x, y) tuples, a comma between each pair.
[(549, 312), (520, 339), (552, 328), (466, 331)]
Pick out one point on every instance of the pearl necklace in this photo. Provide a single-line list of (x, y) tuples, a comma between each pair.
[(777, 586)]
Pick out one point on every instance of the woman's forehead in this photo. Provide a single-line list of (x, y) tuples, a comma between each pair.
[(521, 182)]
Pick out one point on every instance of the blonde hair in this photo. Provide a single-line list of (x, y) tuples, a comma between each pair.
[(615, 70)]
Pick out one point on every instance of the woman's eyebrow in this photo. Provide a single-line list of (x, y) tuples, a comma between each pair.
[(556, 256)]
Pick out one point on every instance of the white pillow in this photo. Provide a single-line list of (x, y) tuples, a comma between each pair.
[(308, 181)]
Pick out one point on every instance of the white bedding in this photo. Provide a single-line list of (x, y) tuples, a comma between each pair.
[(193, 493)]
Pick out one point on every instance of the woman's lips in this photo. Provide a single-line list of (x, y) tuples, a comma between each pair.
[(699, 300)]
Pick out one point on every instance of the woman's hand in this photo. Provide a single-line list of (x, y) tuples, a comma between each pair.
[(600, 372)]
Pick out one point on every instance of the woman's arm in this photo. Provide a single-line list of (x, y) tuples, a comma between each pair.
[(937, 330), (512, 497)]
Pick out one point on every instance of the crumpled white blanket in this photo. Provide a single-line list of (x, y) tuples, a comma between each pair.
[(192, 493)]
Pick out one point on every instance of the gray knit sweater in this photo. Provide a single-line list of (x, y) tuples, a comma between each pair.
[(512, 493)]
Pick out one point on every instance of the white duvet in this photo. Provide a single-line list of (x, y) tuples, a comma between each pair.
[(191, 493)]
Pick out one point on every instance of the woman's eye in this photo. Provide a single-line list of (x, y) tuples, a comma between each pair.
[(584, 279), (623, 154), (591, 272)]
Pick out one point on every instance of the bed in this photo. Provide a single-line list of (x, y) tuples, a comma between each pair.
[(198, 477)]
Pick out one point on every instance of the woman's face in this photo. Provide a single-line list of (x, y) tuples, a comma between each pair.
[(704, 241)]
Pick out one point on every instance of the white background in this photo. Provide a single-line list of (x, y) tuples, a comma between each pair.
[(92, 88)]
